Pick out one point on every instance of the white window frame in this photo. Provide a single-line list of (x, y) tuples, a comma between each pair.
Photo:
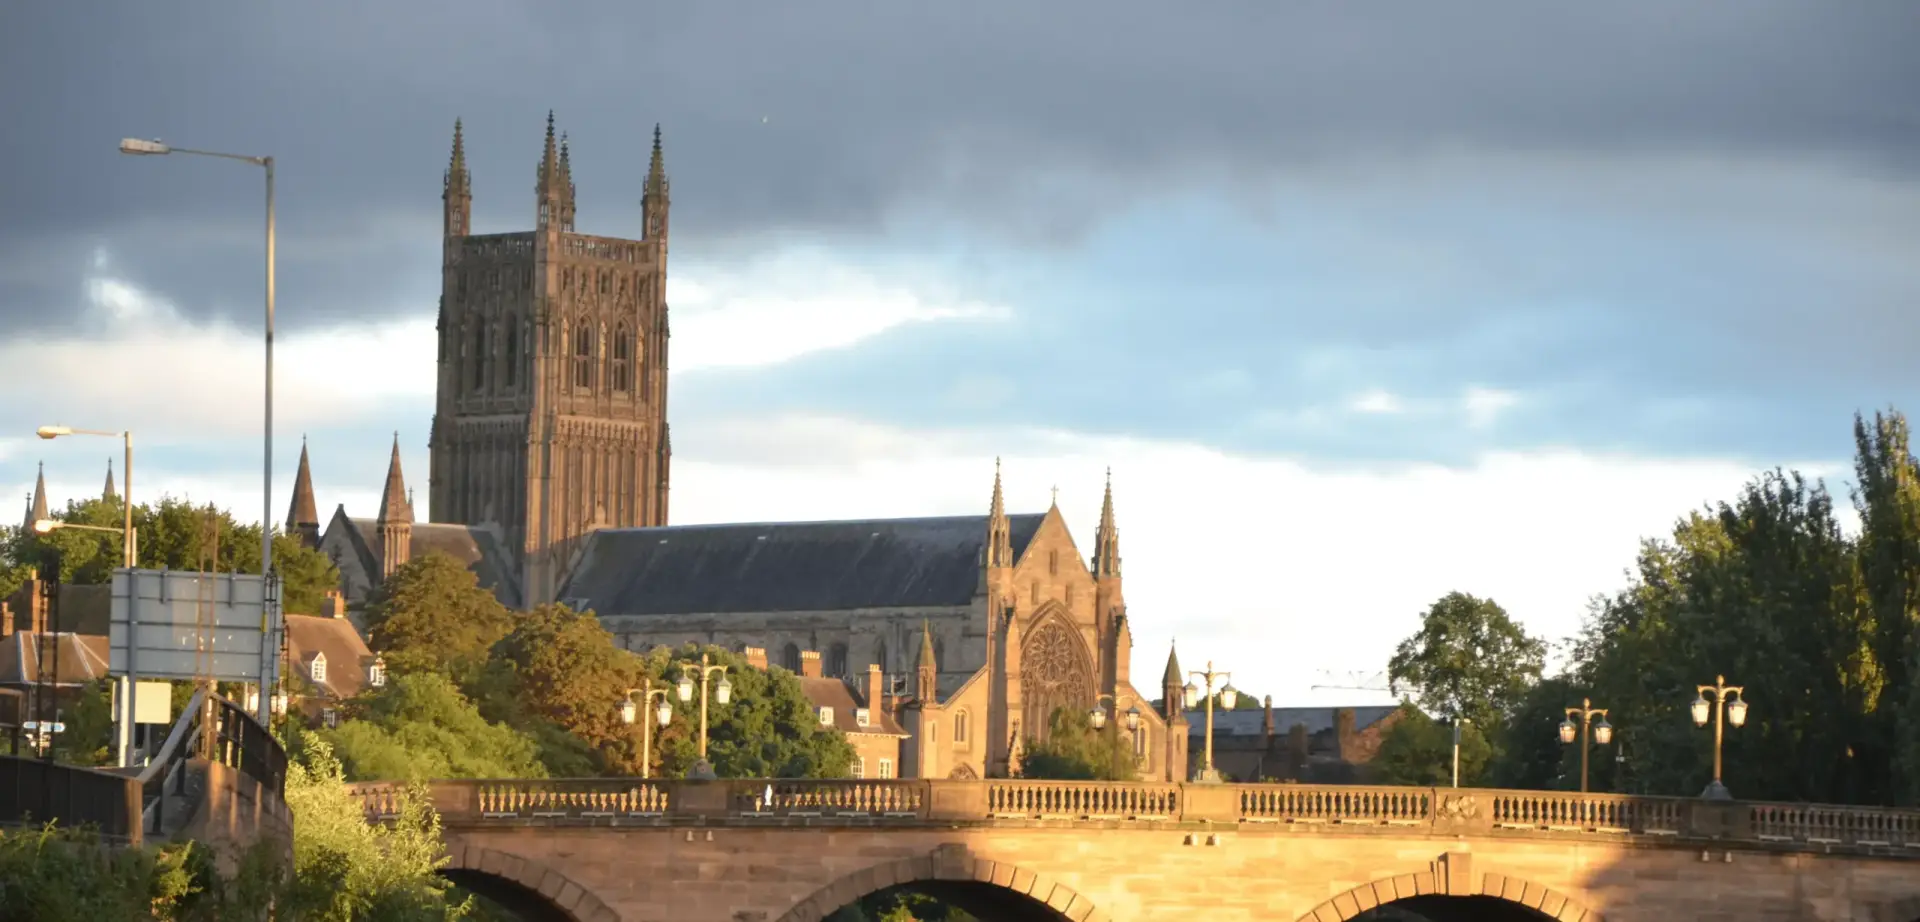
[(826, 716), (376, 675), (860, 767), (317, 669), (886, 768), (863, 717)]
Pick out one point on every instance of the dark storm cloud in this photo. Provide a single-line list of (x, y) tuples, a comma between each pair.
[(831, 117)]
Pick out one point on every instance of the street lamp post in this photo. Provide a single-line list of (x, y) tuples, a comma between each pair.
[(1602, 732), (1228, 695), (1723, 712), (1457, 721), (138, 147), (1097, 717), (127, 554), (662, 713), (722, 693)]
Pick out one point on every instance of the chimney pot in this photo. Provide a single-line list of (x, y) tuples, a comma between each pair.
[(756, 657), (810, 663)]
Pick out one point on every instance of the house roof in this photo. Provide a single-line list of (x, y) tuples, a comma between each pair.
[(80, 658), (836, 694), (786, 566), (477, 547), (1250, 721), (347, 655)]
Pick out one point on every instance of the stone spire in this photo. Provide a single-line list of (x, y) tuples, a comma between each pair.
[(303, 514), (37, 504), (927, 668), (109, 493), (1172, 685), (999, 529), (395, 522), (1106, 538), (457, 190), (394, 506), (658, 198)]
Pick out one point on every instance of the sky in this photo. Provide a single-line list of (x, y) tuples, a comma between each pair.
[(1361, 305)]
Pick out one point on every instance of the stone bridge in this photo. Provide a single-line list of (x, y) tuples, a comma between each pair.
[(603, 850)]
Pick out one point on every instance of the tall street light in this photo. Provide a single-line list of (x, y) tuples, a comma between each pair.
[(1097, 717), (138, 147), (1602, 732), (662, 713), (126, 482), (1228, 695), (722, 693), (1723, 712)]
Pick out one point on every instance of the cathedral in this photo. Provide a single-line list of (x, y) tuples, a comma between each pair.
[(550, 460)]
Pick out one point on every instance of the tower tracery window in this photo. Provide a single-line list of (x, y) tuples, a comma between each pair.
[(1054, 674), (479, 357), (622, 360), (583, 357), (512, 351)]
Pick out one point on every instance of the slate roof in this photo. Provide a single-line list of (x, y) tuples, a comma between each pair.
[(786, 566), (347, 655), (834, 693), (1248, 722), (82, 658), (479, 548)]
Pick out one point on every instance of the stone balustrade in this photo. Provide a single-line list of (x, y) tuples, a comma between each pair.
[(1344, 808)]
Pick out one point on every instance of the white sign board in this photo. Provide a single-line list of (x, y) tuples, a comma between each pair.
[(168, 624), (152, 702)]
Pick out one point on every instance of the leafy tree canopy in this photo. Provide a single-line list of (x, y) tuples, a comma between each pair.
[(767, 730), (1418, 750), (432, 616), (419, 727), (1469, 659), (1075, 751)]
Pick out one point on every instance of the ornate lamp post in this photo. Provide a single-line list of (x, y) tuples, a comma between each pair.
[(662, 713), (1098, 716), (722, 693), (1723, 712), (1208, 775), (1601, 733)]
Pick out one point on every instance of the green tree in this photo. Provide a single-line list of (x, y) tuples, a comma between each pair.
[(1418, 750), (419, 727), (306, 575), (768, 729), (346, 869), (432, 616), (561, 666), (1887, 497), (1531, 755), (1075, 751), (88, 718), (1469, 659)]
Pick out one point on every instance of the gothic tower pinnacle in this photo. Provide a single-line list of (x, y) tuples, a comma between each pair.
[(1106, 538), (927, 669), (549, 189), (37, 504), (999, 529), (110, 493), (655, 203), (456, 193), (566, 185)]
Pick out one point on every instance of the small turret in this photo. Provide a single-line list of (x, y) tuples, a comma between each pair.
[(999, 528), (37, 503), (109, 493), (303, 514), (548, 188), (927, 669), (395, 522), (1106, 538), (566, 185)]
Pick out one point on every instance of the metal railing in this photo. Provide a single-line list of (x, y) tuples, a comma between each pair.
[(1346, 808), (129, 808)]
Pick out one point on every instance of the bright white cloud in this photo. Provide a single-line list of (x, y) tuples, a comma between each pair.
[(1376, 402), (1272, 568), (794, 304), (1483, 405)]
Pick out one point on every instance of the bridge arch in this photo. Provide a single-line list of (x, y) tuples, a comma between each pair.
[(986, 889), (1433, 894), (536, 892)]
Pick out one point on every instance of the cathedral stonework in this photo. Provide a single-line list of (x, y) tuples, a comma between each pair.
[(550, 418)]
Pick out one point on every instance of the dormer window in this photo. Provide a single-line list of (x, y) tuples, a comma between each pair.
[(863, 717), (377, 673), (318, 668), (826, 717)]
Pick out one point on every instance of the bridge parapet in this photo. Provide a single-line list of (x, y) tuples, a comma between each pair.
[(1343, 808)]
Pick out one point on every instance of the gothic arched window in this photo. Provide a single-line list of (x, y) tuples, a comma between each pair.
[(837, 660), (512, 367), (960, 721), (479, 356), (880, 657), (583, 357), (622, 360), (790, 658), (1054, 675)]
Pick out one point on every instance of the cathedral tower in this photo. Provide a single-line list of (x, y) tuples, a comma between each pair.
[(550, 419)]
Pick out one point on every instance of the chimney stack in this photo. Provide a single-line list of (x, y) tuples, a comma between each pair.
[(334, 605), (876, 685), (810, 663), (756, 657)]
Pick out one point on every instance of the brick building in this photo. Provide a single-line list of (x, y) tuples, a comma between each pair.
[(1325, 745)]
